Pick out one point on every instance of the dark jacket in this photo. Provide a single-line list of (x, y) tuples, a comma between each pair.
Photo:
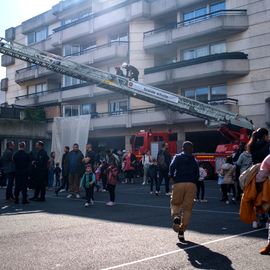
[(41, 162), (259, 151), (79, 164), (64, 164), (184, 168), (7, 161), (22, 162)]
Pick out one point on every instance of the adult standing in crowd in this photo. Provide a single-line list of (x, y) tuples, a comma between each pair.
[(22, 162), (184, 171), (51, 167), (9, 169), (90, 156), (75, 170), (41, 172), (258, 145), (164, 160), (64, 184), (129, 163), (146, 162)]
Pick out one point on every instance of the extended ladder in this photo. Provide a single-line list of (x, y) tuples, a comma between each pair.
[(213, 115)]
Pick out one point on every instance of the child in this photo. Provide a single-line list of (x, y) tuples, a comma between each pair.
[(228, 171), (153, 175), (57, 173), (103, 175), (112, 181), (200, 184), (97, 175), (87, 182)]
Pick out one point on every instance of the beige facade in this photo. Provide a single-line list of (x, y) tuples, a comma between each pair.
[(214, 51)]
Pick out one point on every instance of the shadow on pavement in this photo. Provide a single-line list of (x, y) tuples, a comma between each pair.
[(201, 257)]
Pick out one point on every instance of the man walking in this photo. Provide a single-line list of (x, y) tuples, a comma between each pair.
[(185, 173), (22, 163), (41, 172), (9, 169)]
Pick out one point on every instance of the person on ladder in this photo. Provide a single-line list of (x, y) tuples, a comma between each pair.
[(132, 72)]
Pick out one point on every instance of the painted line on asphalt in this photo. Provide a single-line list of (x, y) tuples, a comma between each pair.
[(150, 206), (180, 250), (22, 212)]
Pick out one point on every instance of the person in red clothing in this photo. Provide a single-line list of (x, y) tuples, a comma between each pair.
[(113, 178)]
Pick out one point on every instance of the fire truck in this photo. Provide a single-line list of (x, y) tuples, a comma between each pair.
[(213, 116), (143, 141)]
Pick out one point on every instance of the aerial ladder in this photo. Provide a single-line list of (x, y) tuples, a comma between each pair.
[(214, 116)]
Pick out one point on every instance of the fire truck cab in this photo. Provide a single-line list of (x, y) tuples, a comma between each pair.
[(141, 142)]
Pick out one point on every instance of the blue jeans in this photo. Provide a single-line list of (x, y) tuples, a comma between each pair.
[(50, 178), (10, 182)]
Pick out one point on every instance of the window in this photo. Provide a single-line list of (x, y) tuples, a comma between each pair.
[(69, 81), (71, 110), (218, 48), (37, 89), (204, 94), (88, 46), (118, 106), (37, 36), (204, 50), (218, 92), (71, 49), (197, 15), (190, 17), (123, 37), (217, 6), (76, 17), (88, 109)]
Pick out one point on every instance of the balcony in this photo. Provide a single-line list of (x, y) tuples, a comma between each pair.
[(147, 117), (30, 73), (219, 24), (40, 20), (73, 30), (209, 69), (103, 20), (106, 52), (7, 60), (74, 92), (45, 45)]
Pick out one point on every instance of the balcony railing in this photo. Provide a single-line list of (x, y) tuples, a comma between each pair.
[(199, 60), (97, 48), (174, 25), (65, 26), (10, 112), (43, 93)]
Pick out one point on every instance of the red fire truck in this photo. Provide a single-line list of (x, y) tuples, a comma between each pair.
[(142, 141)]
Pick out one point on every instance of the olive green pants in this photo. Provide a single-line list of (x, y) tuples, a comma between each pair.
[(182, 200)]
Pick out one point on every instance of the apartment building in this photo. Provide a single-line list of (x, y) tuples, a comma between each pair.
[(214, 51)]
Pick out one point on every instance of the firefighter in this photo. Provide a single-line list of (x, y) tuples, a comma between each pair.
[(132, 72)]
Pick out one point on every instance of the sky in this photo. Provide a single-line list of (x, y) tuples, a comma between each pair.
[(14, 12)]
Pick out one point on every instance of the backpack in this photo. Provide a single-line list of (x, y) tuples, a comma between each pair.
[(248, 175), (161, 161)]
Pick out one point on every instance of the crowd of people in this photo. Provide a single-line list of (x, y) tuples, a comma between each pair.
[(102, 171)]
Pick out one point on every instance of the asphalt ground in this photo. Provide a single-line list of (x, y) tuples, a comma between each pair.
[(134, 234)]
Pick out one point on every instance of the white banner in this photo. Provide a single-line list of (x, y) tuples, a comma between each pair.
[(69, 130)]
